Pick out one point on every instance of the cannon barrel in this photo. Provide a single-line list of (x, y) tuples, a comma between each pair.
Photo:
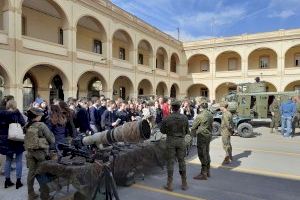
[(132, 132)]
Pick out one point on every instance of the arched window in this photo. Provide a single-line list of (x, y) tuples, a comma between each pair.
[(28, 91), (95, 88), (56, 89)]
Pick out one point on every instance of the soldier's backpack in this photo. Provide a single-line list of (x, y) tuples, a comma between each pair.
[(34, 137)]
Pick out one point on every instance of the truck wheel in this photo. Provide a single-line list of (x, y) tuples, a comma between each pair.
[(216, 129), (245, 130)]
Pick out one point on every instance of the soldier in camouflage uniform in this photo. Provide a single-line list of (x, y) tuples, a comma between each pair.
[(202, 126), (37, 140), (226, 130), (275, 111), (176, 127)]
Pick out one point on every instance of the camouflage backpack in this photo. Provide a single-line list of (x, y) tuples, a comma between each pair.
[(34, 137)]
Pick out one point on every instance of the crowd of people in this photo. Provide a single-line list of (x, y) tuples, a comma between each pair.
[(66, 119)]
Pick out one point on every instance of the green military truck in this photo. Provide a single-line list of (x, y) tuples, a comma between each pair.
[(248, 104)]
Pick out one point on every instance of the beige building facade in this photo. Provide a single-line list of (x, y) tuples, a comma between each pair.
[(76, 48)]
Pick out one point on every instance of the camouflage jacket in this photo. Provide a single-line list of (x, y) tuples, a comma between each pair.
[(227, 123), (202, 125), (275, 107), (38, 136), (175, 125)]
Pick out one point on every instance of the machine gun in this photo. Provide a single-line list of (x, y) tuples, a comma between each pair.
[(64, 150)]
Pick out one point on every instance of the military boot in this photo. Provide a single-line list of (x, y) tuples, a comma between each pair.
[(201, 176), (184, 185), (169, 184), (208, 171), (32, 196), (272, 130), (226, 161)]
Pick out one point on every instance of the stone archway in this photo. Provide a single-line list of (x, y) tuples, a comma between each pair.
[(145, 88), (175, 62), (197, 90), (198, 63), (123, 88), (122, 45), (262, 58), (223, 89), (161, 58), (4, 80), (50, 82), (91, 84), (162, 89), (29, 90), (293, 86), (292, 57), (174, 91), (228, 61), (145, 53), (46, 10), (91, 35)]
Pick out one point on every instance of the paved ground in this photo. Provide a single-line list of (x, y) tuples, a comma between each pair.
[(265, 167)]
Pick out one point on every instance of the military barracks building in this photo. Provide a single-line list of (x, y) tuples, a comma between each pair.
[(76, 48)]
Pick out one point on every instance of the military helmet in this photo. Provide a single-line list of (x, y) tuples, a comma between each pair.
[(176, 103), (36, 111)]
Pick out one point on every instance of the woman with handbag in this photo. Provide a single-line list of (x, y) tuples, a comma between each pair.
[(12, 124)]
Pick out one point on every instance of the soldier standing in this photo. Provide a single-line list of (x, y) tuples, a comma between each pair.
[(275, 111), (226, 130), (38, 138), (203, 128), (176, 127)]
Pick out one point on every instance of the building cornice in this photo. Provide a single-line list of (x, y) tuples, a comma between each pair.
[(118, 14), (243, 39)]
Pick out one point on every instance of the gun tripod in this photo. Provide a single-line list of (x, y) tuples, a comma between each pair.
[(108, 184)]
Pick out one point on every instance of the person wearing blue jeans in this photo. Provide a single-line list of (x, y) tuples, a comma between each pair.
[(288, 111), (8, 163)]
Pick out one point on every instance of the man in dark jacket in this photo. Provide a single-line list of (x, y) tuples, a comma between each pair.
[(109, 119), (93, 116), (82, 116), (100, 112), (122, 114)]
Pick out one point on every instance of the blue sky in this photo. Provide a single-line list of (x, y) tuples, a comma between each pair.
[(199, 19)]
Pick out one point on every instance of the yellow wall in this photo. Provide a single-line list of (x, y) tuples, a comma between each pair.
[(86, 37), (290, 56), (161, 61), (195, 90), (146, 86), (41, 26), (253, 60), (123, 82), (147, 56), (222, 61), (194, 64), (116, 48)]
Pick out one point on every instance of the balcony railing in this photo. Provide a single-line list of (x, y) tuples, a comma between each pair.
[(225, 74), (122, 63), (161, 72), (90, 56), (264, 72), (144, 68), (44, 46)]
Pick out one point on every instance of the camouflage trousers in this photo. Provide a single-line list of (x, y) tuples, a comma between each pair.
[(275, 121), (34, 159), (203, 154), (176, 149), (227, 144)]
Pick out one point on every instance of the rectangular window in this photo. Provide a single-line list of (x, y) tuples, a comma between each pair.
[(122, 54), (24, 25), (141, 59), (297, 60), (61, 36), (232, 64), (264, 62), (204, 66), (204, 92), (97, 46)]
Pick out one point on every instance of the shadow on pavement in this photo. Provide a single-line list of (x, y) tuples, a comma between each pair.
[(236, 159)]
